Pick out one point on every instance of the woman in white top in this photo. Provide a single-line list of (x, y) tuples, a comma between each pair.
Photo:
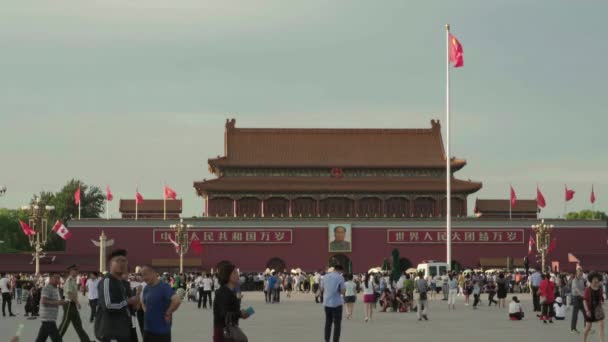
[(369, 298), (350, 296)]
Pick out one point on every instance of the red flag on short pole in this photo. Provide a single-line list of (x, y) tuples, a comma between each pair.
[(456, 52), (540, 199), (77, 196), (513, 198), (61, 230), (531, 244), (27, 230), (109, 195), (569, 194), (169, 193), (196, 246), (552, 246), (592, 195)]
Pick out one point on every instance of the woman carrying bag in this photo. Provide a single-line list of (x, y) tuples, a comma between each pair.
[(226, 307), (592, 301)]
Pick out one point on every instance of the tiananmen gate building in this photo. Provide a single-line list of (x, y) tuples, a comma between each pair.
[(302, 198)]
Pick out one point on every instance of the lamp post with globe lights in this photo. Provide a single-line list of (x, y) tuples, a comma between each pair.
[(182, 240), (38, 221), (543, 240), (2, 190)]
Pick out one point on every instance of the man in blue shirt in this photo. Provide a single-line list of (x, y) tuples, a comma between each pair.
[(159, 303), (333, 289), (535, 280), (272, 282)]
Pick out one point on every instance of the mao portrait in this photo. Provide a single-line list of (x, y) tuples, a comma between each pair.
[(340, 237)]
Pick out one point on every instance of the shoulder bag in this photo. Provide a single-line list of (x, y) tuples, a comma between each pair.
[(232, 332)]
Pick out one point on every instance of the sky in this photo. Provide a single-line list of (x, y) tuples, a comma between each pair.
[(136, 92)]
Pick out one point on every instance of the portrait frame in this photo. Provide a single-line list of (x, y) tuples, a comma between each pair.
[(334, 246)]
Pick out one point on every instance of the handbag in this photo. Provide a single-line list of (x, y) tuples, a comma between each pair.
[(542, 299), (232, 332), (598, 312)]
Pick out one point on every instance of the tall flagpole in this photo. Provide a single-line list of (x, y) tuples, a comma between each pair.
[(510, 202), (164, 202), (448, 165), (79, 200), (136, 205), (107, 208)]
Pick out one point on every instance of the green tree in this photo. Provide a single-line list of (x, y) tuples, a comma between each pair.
[(91, 201), (396, 271), (10, 231), (586, 215)]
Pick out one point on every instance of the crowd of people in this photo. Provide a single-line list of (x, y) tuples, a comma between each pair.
[(122, 302)]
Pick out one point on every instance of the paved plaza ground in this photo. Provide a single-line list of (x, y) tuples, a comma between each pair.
[(301, 320)]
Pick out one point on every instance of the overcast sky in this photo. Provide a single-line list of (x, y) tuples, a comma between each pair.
[(127, 92)]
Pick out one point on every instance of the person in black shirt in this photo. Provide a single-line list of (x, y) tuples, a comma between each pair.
[(113, 319), (226, 303)]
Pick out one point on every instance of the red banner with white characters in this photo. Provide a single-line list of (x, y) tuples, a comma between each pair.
[(474, 236), (229, 236)]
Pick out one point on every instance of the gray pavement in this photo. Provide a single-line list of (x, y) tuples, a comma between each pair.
[(301, 320)]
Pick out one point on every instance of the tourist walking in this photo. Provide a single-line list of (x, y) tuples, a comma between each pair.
[(71, 307), (422, 288), (113, 319), (593, 299), (577, 288), (226, 307), (452, 284), (476, 293), (333, 289), (502, 289), (159, 303), (91, 288), (49, 310), (546, 296), (5, 288), (350, 295), (369, 297)]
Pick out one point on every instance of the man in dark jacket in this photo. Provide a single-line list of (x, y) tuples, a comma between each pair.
[(113, 320)]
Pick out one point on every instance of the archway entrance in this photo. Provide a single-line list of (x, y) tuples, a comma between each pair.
[(276, 264), (341, 259)]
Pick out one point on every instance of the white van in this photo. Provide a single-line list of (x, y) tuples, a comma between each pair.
[(431, 268)]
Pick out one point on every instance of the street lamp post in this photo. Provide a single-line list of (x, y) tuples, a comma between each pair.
[(2, 190), (543, 240), (38, 220), (181, 238)]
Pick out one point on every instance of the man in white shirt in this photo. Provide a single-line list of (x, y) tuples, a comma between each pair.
[(205, 291), (93, 294), (6, 295), (516, 313)]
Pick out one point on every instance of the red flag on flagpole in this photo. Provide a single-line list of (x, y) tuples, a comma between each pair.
[(139, 199), (540, 199), (592, 195), (569, 194), (513, 198), (531, 244), (77, 196), (61, 230), (169, 193), (456, 52), (27, 230), (196, 246), (552, 246), (109, 195), (175, 244)]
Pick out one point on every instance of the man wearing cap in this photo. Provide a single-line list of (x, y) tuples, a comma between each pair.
[(71, 307), (113, 320)]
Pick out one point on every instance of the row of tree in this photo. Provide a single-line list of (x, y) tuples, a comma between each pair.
[(92, 205)]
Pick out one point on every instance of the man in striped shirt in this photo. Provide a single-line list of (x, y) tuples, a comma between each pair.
[(49, 309)]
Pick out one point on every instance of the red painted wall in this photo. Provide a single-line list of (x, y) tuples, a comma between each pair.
[(309, 250)]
